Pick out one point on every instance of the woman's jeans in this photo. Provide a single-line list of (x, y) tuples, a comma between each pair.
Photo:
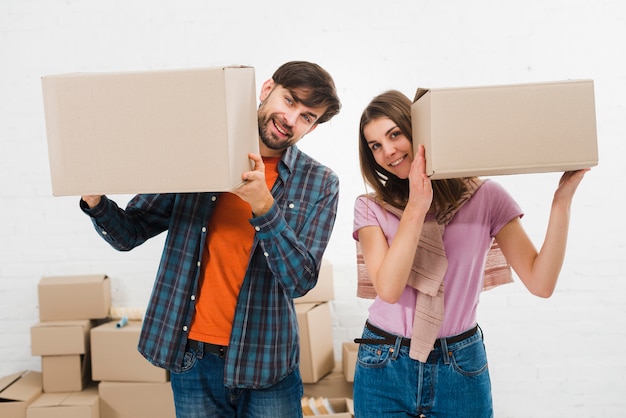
[(454, 382), (199, 392)]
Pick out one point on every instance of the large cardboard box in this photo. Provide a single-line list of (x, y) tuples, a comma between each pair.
[(74, 297), (69, 373), (60, 337), (316, 340), (83, 404), (186, 130), (17, 391), (333, 385), (114, 355), (324, 290), (506, 129), (136, 400)]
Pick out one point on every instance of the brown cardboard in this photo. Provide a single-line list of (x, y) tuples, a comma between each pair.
[(333, 385), (60, 337), (136, 400), (83, 404), (318, 406), (324, 290), (74, 297), (114, 355), (68, 373), (316, 340), (506, 129), (187, 130), (17, 391), (349, 355)]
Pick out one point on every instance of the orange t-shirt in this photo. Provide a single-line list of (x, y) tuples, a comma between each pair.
[(225, 261)]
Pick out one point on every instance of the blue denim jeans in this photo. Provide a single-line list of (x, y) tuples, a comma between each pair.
[(454, 381), (199, 392)]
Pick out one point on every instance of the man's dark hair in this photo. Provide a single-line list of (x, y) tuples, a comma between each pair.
[(311, 85)]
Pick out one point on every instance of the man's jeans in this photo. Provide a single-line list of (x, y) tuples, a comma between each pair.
[(199, 392), (454, 382)]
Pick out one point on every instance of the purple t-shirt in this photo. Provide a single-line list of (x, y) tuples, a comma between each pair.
[(466, 239)]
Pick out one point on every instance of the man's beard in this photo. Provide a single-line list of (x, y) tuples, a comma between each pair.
[(269, 138)]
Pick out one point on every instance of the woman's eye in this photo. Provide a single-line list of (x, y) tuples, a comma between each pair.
[(374, 147)]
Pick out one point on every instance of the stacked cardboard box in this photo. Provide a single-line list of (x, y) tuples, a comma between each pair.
[(129, 386), (69, 306), (17, 392)]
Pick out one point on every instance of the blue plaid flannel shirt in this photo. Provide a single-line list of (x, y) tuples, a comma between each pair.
[(286, 255)]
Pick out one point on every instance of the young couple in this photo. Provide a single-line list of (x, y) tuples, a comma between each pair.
[(221, 315)]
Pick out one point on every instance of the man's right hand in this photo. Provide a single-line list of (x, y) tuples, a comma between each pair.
[(92, 200)]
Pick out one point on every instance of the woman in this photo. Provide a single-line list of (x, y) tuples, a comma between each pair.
[(424, 242)]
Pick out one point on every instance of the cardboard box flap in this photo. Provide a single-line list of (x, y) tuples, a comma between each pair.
[(419, 93), (21, 386), (59, 280), (61, 399)]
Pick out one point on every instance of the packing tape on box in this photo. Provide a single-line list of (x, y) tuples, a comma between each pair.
[(131, 314)]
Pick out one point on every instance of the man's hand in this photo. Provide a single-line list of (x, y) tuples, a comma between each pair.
[(92, 200), (254, 188)]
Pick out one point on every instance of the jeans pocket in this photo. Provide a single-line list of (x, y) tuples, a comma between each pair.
[(189, 361), (374, 356), (470, 360)]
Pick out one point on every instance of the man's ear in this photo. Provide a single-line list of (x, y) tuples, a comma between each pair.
[(266, 88)]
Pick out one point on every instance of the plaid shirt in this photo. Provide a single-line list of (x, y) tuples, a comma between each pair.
[(288, 246)]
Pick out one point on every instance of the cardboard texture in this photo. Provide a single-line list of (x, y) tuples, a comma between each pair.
[(349, 355), (17, 391), (136, 400), (74, 297), (328, 407), (114, 355), (60, 337), (333, 385), (316, 340), (186, 130), (324, 290), (507, 129), (69, 373), (83, 404)]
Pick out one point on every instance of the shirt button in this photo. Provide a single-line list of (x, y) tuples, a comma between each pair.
[(213, 198), (256, 228), (266, 254), (104, 232), (199, 263), (291, 206), (193, 297), (204, 229), (185, 328)]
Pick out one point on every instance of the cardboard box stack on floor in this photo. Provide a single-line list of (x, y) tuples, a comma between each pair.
[(69, 306), (326, 390), (129, 386)]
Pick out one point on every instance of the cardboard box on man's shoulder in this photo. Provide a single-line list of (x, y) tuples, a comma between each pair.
[(185, 130), (74, 297), (506, 129), (17, 391)]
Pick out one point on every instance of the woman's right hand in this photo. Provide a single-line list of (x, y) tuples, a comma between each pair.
[(92, 200), (420, 186)]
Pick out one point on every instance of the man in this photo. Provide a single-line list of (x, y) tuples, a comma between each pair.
[(221, 315)]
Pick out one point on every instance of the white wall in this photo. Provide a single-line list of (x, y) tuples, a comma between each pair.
[(549, 358)]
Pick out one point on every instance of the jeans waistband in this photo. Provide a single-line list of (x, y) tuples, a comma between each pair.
[(200, 346), (388, 338)]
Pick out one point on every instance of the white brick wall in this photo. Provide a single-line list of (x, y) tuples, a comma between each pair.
[(549, 358)]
